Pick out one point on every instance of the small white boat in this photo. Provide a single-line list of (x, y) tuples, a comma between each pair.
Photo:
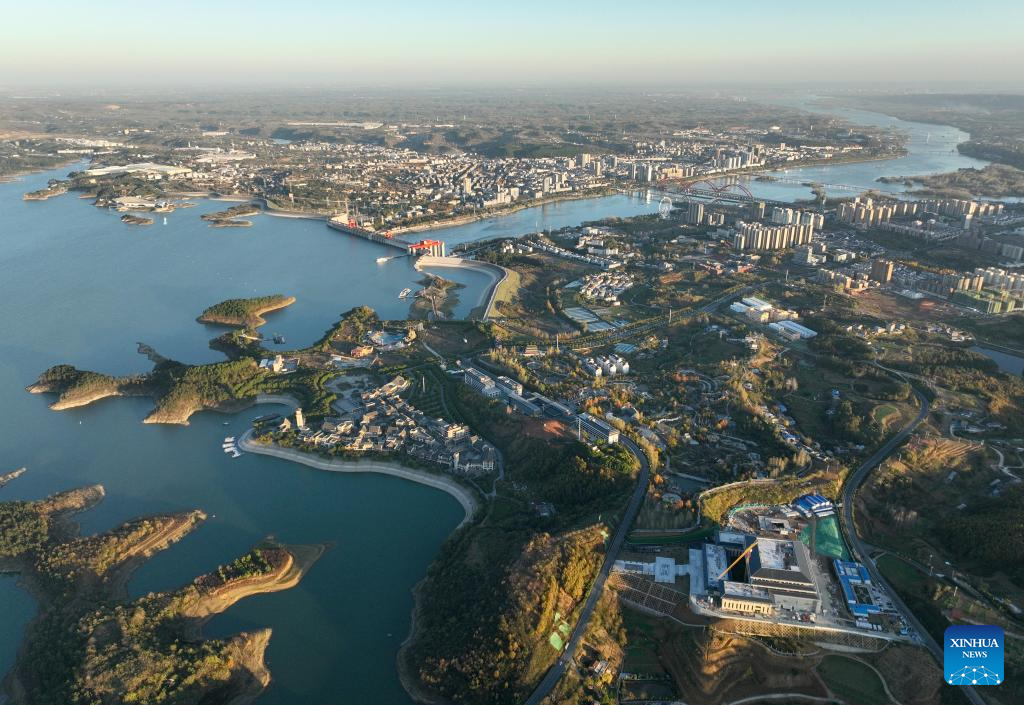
[(229, 439), (236, 454), (382, 260), (230, 449), (404, 293)]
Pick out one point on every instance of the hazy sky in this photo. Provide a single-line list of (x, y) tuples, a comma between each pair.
[(401, 42)]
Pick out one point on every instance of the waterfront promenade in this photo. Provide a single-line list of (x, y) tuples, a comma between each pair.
[(498, 274), (464, 496)]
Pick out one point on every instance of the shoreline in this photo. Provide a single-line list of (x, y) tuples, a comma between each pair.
[(255, 319), (499, 213), (410, 682), (470, 504), (498, 275)]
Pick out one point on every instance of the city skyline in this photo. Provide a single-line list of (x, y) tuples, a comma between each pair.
[(404, 43)]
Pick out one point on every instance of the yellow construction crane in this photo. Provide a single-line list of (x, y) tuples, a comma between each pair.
[(738, 559)]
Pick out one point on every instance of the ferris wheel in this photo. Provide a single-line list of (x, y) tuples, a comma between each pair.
[(665, 207)]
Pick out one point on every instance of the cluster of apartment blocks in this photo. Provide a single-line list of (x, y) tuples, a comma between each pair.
[(606, 365), (978, 241), (789, 228), (865, 212), (1001, 280), (605, 286), (855, 283)]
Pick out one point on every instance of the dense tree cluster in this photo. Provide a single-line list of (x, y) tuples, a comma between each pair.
[(23, 528), (990, 533), (242, 311)]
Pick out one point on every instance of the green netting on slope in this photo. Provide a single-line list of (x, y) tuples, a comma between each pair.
[(828, 541)]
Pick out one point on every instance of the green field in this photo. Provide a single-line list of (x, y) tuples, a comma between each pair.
[(884, 414), (827, 540), (852, 681), (902, 575)]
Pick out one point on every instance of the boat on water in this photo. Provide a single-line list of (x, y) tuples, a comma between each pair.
[(404, 293), (235, 453), (382, 260), (229, 439), (278, 339)]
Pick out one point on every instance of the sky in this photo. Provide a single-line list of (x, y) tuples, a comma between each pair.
[(452, 42)]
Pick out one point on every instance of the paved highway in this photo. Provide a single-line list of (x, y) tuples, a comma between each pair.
[(861, 551), (565, 660)]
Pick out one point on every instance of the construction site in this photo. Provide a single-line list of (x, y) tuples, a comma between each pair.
[(769, 604), (775, 567)]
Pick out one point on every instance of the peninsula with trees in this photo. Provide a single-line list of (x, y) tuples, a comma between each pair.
[(91, 643), (245, 312), (180, 390)]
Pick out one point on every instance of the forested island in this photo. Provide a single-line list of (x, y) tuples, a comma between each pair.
[(245, 312), (92, 644), (180, 390), (136, 220)]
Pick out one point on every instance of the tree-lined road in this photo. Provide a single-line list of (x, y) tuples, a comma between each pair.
[(556, 671), (861, 551)]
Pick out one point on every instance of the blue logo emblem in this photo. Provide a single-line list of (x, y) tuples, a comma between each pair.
[(973, 655)]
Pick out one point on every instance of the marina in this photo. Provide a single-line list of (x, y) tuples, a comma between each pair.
[(231, 448)]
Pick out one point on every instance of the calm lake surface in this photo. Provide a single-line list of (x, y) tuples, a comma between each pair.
[(1012, 364), (79, 286)]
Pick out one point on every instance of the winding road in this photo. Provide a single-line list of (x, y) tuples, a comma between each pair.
[(556, 671), (860, 549)]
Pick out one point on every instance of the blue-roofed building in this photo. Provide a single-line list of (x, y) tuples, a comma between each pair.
[(855, 582), (814, 504)]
